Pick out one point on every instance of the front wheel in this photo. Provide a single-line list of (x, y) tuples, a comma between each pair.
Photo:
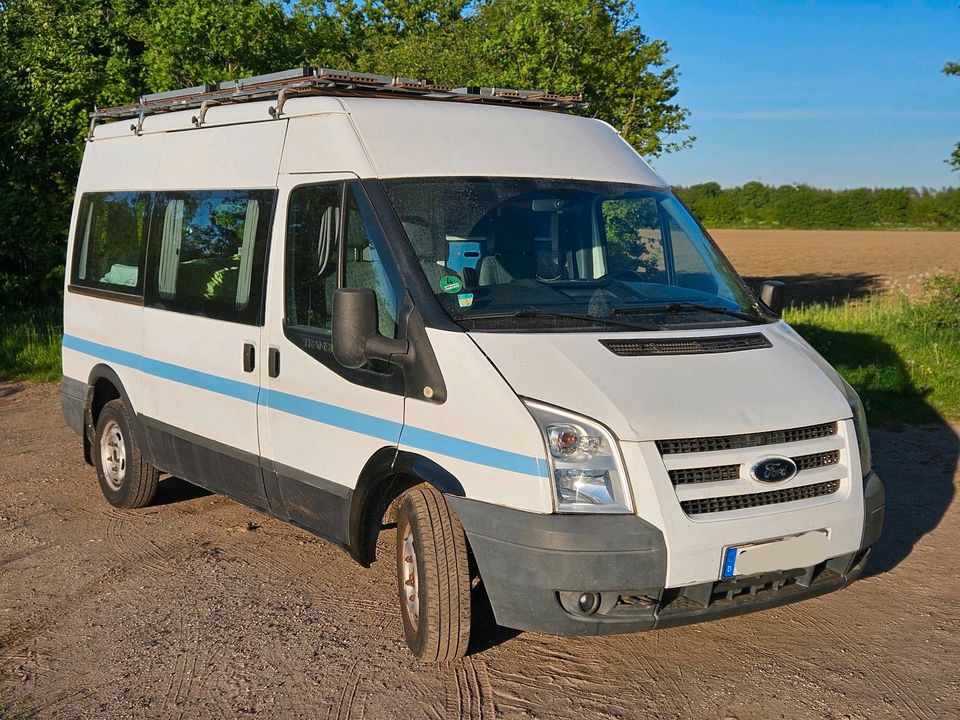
[(433, 577)]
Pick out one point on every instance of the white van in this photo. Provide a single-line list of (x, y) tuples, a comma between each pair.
[(348, 300)]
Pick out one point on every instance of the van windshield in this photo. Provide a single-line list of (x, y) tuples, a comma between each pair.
[(524, 253)]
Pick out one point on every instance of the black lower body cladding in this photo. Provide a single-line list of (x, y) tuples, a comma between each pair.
[(73, 398), (526, 559)]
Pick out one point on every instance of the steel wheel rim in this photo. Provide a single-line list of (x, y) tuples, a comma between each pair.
[(113, 455), (410, 582)]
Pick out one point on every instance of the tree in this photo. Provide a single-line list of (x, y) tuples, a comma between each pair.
[(59, 58), (953, 68)]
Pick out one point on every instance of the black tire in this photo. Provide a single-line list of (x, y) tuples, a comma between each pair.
[(441, 630), (136, 482)]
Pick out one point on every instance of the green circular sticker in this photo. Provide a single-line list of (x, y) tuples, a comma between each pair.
[(451, 284)]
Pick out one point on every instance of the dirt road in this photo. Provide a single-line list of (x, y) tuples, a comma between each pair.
[(823, 265), (200, 608)]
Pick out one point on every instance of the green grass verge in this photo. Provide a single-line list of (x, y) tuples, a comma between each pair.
[(901, 354), (30, 348)]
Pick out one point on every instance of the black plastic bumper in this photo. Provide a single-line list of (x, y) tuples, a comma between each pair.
[(526, 560)]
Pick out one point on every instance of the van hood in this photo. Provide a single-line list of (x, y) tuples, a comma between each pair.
[(783, 386)]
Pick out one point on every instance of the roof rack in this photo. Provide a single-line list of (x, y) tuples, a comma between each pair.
[(323, 81)]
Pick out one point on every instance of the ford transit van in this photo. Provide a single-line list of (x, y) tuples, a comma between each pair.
[(350, 301)]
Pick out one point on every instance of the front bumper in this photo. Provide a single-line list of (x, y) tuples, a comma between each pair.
[(526, 560)]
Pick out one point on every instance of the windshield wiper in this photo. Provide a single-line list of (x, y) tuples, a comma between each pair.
[(533, 313), (681, 306)]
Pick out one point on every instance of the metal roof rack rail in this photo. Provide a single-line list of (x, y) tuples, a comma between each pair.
[(309, 80)]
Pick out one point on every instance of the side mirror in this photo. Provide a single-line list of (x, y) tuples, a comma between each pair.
[(771, 295), (356, 334)]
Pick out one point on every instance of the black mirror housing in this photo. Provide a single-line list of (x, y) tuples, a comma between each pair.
[(356, 334), (771, 295)]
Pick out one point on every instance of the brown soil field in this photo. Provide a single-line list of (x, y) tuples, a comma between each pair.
[(198, 607), (831, 265)]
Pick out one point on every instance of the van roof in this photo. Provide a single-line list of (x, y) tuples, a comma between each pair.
[(372, 133)]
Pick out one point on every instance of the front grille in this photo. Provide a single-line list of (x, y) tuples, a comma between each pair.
[(687, 346), (816, 460), (702, 506), (689, 476), (736, 442), (718, 473)]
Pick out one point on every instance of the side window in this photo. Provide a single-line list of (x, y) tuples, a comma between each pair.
[(212, 251), (634, 238), (312, 256), (111, 240), (363, 266)]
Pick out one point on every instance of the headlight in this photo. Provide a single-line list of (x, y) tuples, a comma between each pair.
[(860, 425), (584, 460)]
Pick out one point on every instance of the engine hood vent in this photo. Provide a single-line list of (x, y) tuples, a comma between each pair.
[(687, 346)]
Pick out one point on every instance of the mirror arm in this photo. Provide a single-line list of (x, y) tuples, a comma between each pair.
[(390, 350)]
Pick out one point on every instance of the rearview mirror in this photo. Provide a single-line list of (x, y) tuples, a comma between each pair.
[(771, 295), (356, 337)]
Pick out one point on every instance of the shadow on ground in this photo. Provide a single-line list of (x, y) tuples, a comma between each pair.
[(916, 462), (173, 490), (820, 288)]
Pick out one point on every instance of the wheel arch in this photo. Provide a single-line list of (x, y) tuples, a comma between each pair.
[(386, 476), (104, 385)]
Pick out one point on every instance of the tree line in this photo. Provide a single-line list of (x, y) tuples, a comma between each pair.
[(60, 58), (801, 206)]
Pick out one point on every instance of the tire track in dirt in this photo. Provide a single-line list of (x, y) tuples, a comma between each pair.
[(130, 546), (343, 709), (469, 691)]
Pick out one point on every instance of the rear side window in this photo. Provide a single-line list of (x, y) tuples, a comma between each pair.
[(111, 240), (208, 253)]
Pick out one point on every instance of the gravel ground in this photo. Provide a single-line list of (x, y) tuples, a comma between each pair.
[(198, 607)]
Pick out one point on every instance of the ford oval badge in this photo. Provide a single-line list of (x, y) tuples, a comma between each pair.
[(773, 470)]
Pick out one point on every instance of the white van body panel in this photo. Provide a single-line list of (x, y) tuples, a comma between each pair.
[(324, 141), (483, 434), (408, 139), (652, 398), (236, 156)]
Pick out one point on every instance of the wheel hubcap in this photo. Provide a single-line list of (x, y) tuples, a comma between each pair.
[(113, 455), (411, 584)]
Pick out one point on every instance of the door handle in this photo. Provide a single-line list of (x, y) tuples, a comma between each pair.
[(273, 362), (249, 357)]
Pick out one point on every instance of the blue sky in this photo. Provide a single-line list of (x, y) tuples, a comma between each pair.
[(834, 94)]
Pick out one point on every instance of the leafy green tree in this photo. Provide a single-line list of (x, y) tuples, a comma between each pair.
[(953, 68)]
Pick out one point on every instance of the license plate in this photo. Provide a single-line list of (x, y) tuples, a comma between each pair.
[(786, 553)]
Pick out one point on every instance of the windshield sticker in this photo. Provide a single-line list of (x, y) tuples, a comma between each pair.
[(451, 284), (465, 299)]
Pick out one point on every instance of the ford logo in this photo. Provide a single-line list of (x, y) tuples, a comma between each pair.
[(774, 470)]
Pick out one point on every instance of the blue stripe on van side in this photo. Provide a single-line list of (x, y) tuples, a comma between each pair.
[(332, 415), (471, 451), (325, 413)]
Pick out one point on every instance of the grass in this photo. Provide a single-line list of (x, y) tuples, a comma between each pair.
[(901, 354), (30, 348)]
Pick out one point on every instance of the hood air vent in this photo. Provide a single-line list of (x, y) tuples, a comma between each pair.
[(687, 346)]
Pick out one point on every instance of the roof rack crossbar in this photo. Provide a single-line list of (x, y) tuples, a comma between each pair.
[(309, 80)]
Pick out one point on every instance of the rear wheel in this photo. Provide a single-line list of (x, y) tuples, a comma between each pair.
[(126, 479), (433, 577)]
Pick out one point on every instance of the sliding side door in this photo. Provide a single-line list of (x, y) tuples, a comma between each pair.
[(202, 325)]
